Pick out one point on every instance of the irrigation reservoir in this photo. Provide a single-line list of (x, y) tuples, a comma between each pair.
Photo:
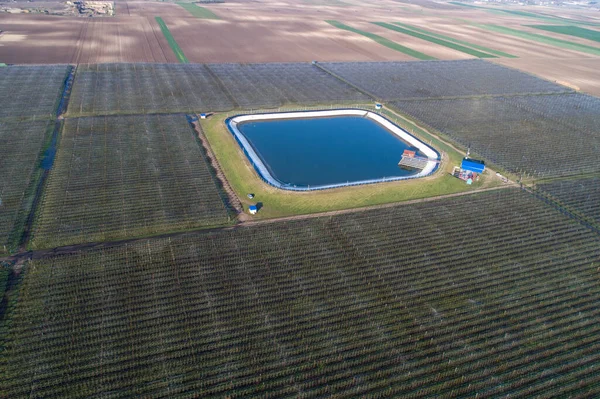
[(326, 149)]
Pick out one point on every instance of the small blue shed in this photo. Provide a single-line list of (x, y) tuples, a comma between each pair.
[(253, 209), (472, 165)]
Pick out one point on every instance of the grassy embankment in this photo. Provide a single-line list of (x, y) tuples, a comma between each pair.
[(431, 39), (199, 12), (171, 40), (453, 40), (383, 41), (277, 203), (575, 31), (541, 39)]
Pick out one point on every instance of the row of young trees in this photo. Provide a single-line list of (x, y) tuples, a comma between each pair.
[(493, 295), (31, 91), (391, 81), (521, 134), (122, 177), (170, 88)]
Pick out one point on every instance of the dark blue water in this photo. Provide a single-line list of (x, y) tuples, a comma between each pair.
[(320, 151)]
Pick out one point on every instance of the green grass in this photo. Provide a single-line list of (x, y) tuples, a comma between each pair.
[(541, 39), (441, 42), (383, 41), (199, 12), (278, 203), (171, 40), (571, 31), (451, 39)]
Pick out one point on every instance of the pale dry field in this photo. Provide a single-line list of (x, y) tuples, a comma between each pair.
[(581, 74)]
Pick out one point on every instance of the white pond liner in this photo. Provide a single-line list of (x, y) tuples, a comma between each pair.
[(264, 173)]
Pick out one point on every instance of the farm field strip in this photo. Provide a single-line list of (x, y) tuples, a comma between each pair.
[(453, 40), (31, 98), (456, 296), (145, 88), (22, 143), (541, 39), (124, 177), (172, 42), (383, 41), (580, 196), (197, 11), (526, 14), (31, 91), (521, 133), (571, 31), (432, 39), (107, 89), (439, 79), (270, 85)]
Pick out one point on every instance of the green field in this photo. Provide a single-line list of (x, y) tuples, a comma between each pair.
[(571, 31), (453, 40), (541, 39), (171, 40), (383, 41), (243, 178), (199, 12), (436, 40)]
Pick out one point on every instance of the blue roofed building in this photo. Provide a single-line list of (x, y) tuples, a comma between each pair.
[(472, 165)]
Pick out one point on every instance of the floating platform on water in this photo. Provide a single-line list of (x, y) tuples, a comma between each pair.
[(413, 162)]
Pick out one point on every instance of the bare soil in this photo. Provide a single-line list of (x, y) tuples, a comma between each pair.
[(268, 41), (39, 39), (290, 31)]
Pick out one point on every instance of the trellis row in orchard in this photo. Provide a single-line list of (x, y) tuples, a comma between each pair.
[(21, 143), (390, 81), (446, 298), (31, 91), (541, 136), (122, 177), (104, 89), (581, 196)]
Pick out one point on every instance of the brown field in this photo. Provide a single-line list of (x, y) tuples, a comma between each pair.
[(38, 39), (149, 9), (282, 41), (290, 31)]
